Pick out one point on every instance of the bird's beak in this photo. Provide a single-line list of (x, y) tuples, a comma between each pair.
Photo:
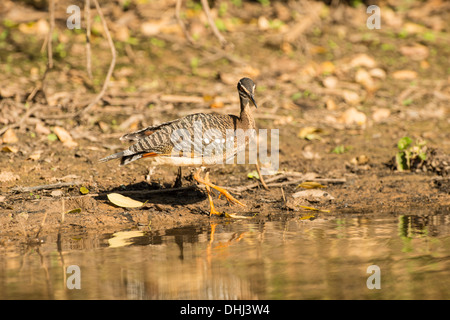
[(252, 98)]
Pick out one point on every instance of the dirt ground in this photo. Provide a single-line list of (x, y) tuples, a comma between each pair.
[(316, 66)]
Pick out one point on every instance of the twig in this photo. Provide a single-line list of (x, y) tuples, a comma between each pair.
[(180, 22), (87, 13), (111, 66), (211, 22), (261, 178), (50, 34), (131, 192), (289, 182), (46, 186)]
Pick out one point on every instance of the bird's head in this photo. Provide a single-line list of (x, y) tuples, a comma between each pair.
[(246, 88)]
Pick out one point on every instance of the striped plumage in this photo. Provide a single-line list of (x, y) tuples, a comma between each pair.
[(196, 140), (200, 130)]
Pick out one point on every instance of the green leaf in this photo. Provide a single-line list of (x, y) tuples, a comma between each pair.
[(340, 149), (253, 174), (52, 137), (84, 190), (423, 156), (404, 143), (77, 210)]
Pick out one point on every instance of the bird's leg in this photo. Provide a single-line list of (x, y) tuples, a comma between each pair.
[(178, 182), (208, 191), (222, 191)]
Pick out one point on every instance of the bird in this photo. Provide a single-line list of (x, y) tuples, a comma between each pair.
[(199, 140)]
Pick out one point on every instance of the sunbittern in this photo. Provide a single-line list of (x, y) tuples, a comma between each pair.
[(197, 140)]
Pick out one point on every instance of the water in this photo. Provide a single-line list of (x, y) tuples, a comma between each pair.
[(326, 258)]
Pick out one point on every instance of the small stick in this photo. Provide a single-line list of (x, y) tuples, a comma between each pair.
[(87, 13), (50, 34), (137, 192), (46, 186), (211, 22), (111, 66), (180, 22), (261, 177)]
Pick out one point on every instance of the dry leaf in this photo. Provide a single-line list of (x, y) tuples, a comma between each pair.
[(150, 28), (309, 133), (353, 116), (41, 129), (381, 114), (10, 149), (377, 73), (327, 67), (122, 201), (56, 193), (330, 82), (404, 75), (351, 97), (10, 136), (65, 137), (416, 52), (36, 155), (364, 78), (363, 60), (331, 105), (310, 185)]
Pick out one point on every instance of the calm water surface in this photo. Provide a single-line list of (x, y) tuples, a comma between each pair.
[(242, 259)]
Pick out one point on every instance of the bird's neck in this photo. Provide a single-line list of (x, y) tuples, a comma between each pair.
[(246, 116)]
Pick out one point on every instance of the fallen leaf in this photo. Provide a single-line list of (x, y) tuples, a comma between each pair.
[(84, 190), (65, 137), (122, 201), (364, 78), (35, 155), (330, 82), (310, 185), (351, 97), (253, 175), (353, 116), (327, 67), (404, 75), (309, 133), (10, 149), (41, 129), (56, 193), (10, 136), (77, 210), (331, 105), (377, 73), (417, 52), (363, 60), (381, 114)]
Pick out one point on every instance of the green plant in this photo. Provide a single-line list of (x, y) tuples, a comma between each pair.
[(409, 153), (340, 149)]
